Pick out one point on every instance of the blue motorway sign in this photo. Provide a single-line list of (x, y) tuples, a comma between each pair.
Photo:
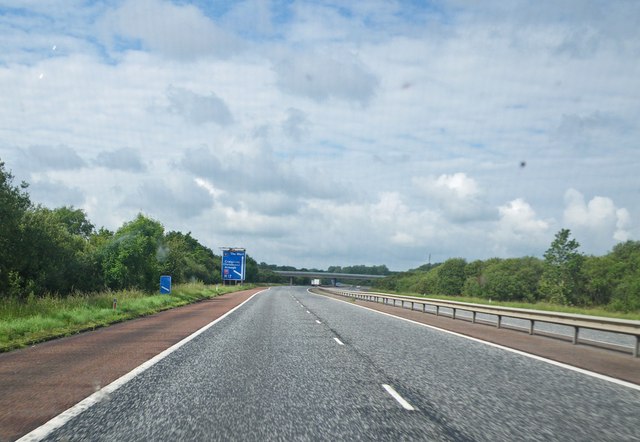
[(165, 285), (233, 265)]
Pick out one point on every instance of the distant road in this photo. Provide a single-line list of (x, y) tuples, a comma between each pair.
[(290, 365)]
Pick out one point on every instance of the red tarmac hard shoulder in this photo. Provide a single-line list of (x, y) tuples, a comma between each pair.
[(40, 382)]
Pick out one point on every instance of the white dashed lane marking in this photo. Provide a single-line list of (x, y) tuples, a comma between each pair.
[(406, 405)]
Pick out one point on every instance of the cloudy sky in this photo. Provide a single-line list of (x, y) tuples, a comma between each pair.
[(319, 133)]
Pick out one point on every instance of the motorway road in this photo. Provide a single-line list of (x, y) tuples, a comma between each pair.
[(275, 369)]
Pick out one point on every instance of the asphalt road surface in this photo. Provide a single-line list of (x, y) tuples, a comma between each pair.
[(291, 365)]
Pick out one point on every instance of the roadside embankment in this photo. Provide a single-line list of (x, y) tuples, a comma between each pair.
[(26, 322)]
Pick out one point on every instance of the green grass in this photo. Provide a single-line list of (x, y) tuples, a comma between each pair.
[(592, 311), (35, 320)]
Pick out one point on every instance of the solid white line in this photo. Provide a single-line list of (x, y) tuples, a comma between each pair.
[(406, 405), (338, 341), (512, 350), (48, 427)]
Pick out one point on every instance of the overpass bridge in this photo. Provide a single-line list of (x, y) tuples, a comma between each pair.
[(325, 275)]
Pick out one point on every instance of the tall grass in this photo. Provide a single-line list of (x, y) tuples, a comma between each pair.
[(25, 322)]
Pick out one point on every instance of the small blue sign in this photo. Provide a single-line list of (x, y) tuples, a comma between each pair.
[(233, 265), (165, 285)]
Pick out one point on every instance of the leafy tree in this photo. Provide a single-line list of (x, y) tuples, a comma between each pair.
[(74, 220), (391, 282), (94, 278), (426, 267), (599, 279), (451, 277), (426, 282), (514, 279), (52, 257), (625, 274), (360, 270), (561, 280), (475, 282), (251, 271), (129, 259), (185, 259), (14, 202)]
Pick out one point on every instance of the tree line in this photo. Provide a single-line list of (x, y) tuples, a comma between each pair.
[(565, 276), (59, 251)]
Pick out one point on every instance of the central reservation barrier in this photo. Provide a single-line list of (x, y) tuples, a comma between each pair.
[(577, 322)]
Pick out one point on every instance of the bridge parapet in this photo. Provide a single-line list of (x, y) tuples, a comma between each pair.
[(325, 275)]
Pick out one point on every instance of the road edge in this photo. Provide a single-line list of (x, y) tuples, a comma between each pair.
[(58, 421), (564, 365)]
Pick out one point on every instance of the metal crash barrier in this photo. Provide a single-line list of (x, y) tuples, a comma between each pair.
[(577, 322)]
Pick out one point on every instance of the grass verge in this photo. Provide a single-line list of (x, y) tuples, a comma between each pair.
[(591, 311), (23, 323)]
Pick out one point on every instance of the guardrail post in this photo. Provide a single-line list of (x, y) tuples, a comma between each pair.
[(629, 328)]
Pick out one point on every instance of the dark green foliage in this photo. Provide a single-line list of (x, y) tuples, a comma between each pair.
[(565, 276), (251, 269), (14, 202), (59, 252), (624, 276), (451, 277), (52, 260), (476, 280), (598, 273), (514, 279), (360, 270), (427, 282), (392, 282), (186, 260), (75, 221), (561, 280), (129, 259)]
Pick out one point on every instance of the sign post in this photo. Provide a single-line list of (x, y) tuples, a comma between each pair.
[(233, 264), (165, 285)]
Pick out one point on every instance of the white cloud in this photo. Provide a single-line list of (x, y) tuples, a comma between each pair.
[(198, 109), (459, 196), (55, 193), (295, 124), (321, 77), (169, 199), (297, 129), (519, 229), (126, 158), (598, 223), (180, 32), (38, 158)]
